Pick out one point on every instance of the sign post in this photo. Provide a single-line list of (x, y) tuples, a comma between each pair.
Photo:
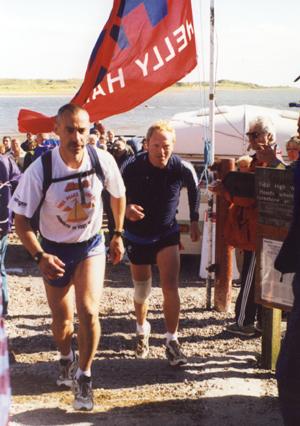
[(274, 193)]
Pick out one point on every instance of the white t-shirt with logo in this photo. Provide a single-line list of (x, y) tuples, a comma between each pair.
[(72, 210)]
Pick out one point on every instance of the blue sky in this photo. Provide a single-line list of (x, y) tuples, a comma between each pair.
[(257, 40)]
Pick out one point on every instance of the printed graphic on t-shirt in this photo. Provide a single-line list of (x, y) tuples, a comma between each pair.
[(77, 202)]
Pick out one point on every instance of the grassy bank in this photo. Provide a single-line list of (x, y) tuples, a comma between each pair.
[(38, 86), (70, 86)]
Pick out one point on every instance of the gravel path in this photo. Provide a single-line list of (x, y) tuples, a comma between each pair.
[(221, 385)]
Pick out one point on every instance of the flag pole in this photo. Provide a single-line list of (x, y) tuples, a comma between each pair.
[(210, 208)]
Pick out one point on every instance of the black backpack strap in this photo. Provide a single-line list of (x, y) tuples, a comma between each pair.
[(96, 163), (46, 159)]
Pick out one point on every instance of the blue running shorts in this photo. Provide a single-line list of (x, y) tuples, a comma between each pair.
[(145, 254), (71, 254)]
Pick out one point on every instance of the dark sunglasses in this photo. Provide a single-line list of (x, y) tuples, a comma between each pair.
[(253, 135)]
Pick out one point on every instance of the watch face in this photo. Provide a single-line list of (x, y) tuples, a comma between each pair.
[(37, 257)]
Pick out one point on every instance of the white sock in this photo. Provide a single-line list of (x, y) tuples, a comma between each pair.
[(69, 357), (144, 328), (171, 336), (80, 372)]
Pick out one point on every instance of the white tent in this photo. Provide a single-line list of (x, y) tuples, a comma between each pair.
[(231, 125)]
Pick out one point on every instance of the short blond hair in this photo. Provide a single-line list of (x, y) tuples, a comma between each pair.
[(160, 126), (247, 159)]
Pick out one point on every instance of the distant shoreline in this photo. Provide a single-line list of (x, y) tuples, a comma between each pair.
[(64, 88), (59, 94)]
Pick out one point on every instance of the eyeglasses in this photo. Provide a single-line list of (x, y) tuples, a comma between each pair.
[(253, 135)]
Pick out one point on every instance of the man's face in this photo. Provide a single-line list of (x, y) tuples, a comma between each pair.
[(160, 148), (119, 146), (7, 143), (73, 131), (15, 147), (110, 136), (258, 138)]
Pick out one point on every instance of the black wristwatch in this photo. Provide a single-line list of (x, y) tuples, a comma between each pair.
[(118, 233), (37, 257)]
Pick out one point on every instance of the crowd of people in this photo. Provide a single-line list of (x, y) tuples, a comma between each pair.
[(76, 175)]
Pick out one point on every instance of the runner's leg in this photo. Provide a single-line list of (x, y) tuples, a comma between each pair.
[(88, 282), (168, 262), (140, 273), (61, 303)]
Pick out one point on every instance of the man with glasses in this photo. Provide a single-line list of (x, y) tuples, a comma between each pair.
[(261, 136)]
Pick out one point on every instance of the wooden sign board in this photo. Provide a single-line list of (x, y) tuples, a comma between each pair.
[(274, 194), (274, 191)]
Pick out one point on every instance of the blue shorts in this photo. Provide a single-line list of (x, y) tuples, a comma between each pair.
[(71, 254), (145, 254)]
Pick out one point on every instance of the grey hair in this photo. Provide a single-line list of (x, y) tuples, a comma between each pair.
[(265, 124)]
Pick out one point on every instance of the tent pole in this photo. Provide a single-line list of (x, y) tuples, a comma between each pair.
[(209, 279)]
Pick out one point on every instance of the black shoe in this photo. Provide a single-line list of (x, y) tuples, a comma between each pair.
[(83, 393), (67, 370)]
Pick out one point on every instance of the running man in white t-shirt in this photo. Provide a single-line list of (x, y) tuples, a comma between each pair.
[(71, 252)]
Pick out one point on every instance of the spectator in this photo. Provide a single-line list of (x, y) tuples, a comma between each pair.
[(92, 139), (100, 127), (29, 156), (103, 142), (288, 364), (121, 151), (43, 144), (243, 163), (17, 154), (9, 177), (29, 139), (110, 135), (292, 149), (6, 140), (261, 136)]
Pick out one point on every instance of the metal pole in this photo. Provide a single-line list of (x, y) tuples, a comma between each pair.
[(212, 82), (209, 279)]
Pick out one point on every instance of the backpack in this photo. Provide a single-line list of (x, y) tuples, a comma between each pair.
[(241, 226), (46, 159)]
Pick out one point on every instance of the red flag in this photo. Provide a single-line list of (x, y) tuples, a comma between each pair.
[(144, 47)]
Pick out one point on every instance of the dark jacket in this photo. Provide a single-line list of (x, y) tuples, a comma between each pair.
[(9, 177), (157, 191)]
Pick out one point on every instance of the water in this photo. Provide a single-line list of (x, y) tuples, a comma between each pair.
[(162, 106)]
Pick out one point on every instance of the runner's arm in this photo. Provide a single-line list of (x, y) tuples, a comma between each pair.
[(51, 266), (118, 206), (191, 181)]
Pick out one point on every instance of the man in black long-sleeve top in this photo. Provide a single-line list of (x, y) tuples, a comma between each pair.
[(153, 181)]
